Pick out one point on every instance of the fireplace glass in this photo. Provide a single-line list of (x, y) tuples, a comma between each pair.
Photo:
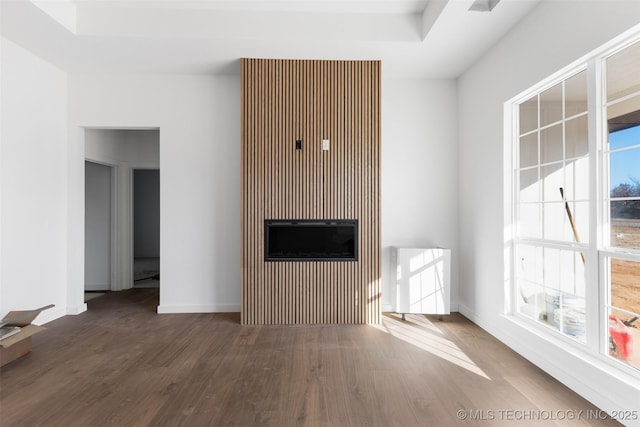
[(311, 240)]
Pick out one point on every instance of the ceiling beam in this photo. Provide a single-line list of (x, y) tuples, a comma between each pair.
[(64, 12), (247, 25), (430, 15)]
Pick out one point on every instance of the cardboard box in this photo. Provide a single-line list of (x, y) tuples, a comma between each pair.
[(17, 345)]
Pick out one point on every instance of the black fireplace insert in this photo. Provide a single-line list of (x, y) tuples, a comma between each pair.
[(311, 240)]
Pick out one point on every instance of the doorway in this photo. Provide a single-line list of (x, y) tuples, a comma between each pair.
[(125, 151)]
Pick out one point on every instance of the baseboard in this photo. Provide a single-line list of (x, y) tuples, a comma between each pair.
[(466, 312), (77, 310), (544, 352), (213, 308), (390, 308), (97, 288), (49, 316)]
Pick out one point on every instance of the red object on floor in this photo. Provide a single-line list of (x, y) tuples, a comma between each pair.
[(622, 336)]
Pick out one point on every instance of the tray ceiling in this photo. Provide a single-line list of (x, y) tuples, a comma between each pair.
[(422, 38)]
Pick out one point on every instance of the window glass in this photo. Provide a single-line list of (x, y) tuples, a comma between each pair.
[(559, 200), (624, 138), (575, 89), (553, 176), (529, 185), (530, 224), (528, 115), (551, 288), (556, 226), (557, 222), (572, 273), (552, 180), (624, 183), (576, 176), (623, 77), (580, 212), (622, 113), (622, 160), (564, 292), (551, 105), (530, 281), (529, 150), (624, 310), (625, 232), (551, 144), (576, 137), (622, 337)]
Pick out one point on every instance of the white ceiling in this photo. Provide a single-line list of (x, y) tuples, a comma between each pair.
[(427, 38)]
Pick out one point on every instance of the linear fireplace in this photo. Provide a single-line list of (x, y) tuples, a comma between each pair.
[(311, 240)]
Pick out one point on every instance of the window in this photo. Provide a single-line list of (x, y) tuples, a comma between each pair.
[(552, 208), (576, 205), (621, 158)]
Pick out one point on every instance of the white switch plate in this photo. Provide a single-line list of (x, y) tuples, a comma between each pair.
[(325, 144)]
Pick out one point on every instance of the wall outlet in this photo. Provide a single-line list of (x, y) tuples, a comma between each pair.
[(325, 145)]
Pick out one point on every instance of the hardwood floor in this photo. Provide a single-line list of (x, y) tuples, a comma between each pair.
[(121, 364)]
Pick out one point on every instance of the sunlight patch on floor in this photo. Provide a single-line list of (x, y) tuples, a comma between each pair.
[(417, 330)]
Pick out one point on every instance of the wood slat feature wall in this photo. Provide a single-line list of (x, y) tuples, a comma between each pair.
[(288, 100)]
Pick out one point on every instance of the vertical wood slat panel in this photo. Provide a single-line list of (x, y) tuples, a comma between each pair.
[(243, 192), (310, 100), (375, 288)]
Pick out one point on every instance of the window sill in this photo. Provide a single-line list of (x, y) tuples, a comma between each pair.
[(609, 366)]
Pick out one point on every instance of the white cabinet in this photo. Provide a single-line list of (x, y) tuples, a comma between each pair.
[(423, 280)]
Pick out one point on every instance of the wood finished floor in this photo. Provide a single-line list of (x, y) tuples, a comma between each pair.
[(121, 364)]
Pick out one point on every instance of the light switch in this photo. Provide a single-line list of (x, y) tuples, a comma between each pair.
[(325, 144)]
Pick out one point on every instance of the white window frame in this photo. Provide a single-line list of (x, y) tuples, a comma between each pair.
[(597, 293)]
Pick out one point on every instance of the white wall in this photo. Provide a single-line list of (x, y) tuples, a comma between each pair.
[(33, 195), (419, 172), (199, 122), (552, 36)]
